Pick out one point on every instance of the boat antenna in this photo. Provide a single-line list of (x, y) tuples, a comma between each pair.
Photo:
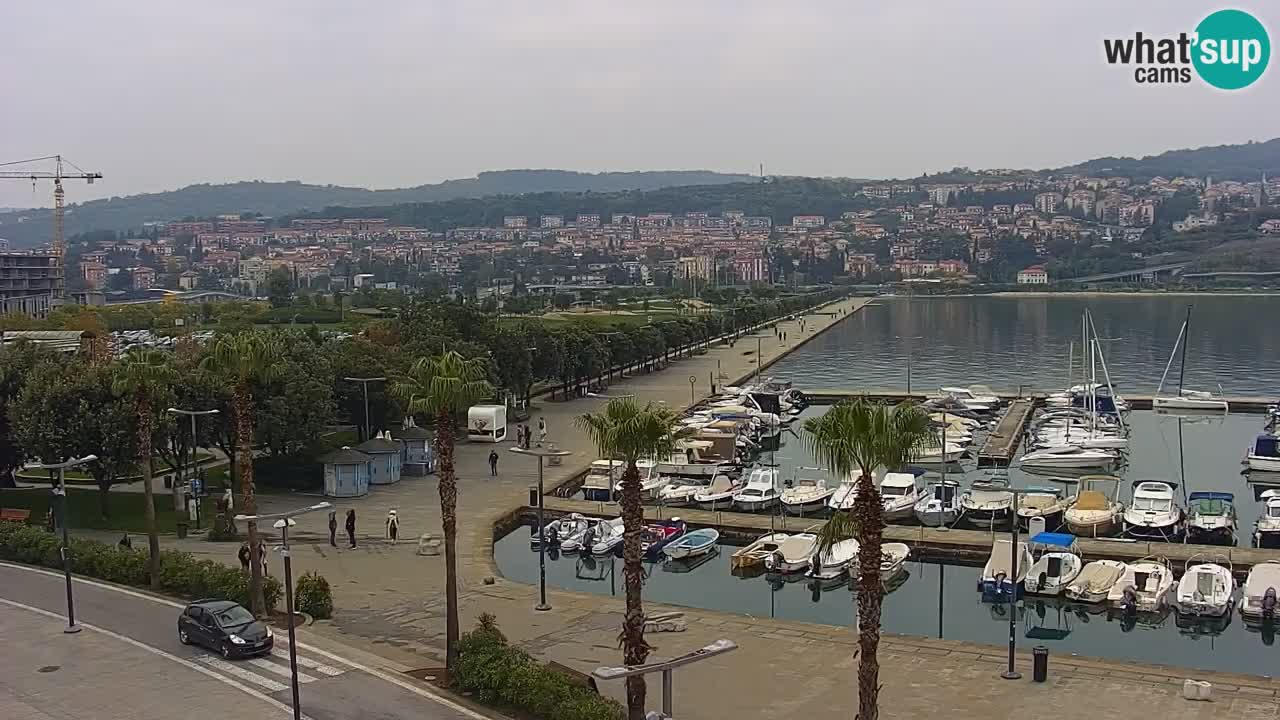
[(1107, 374), (1186, 332)]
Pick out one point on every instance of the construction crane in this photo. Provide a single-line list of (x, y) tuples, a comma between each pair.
[(59, 196)]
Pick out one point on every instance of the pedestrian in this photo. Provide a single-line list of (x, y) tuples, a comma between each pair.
[(542, 430), (493, 463), (393, 526), (527, 438), (126, 543), (351, 527), (333, 528), (244, 557), (262, 557), (519, 436)]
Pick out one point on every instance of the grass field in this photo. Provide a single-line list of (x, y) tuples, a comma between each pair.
[(125, 510), (158, 467)]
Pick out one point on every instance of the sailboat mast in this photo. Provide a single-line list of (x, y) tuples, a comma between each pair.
[(1107, 373), (1186, 340)]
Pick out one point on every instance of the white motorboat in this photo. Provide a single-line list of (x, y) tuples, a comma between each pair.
[(893, 561), (963, 423), (899, 493), (1264, 456), (1043, 502), (1266, 530), (938, 456), (1186, 400), (608, 537), (690, 460), (1144, 586), (1080, 437), (1057, 565), (940, 505), (558, 531), (1095, 581), (1206, 589), (806, 496), (835, 561), (1211, 518), (650, 484), (1000, 578), (1258, 602), (680, 492), (1070, 456), (1096, 511), (845, 493), (793, 554), (719, 494), (977, 398), (597, 486), (987, 503), (595, 532), (753, 555), (1153, 513), (761, 491), (692, 544)]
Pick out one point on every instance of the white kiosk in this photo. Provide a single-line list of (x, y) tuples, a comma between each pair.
[(487, 423)]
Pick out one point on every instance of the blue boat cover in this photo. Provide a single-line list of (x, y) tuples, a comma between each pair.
[(1059, 539), (1267, 445), (1202, 495)]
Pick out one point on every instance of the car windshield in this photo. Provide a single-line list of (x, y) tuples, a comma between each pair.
[(234, 615)]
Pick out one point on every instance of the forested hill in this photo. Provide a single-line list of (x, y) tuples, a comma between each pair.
[(281, 198), (1221, 162)]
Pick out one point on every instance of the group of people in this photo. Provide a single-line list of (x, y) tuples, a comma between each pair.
[(392, 527), (524, 436)]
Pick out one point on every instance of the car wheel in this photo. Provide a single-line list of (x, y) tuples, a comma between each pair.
[(183, 637), (226, 651)]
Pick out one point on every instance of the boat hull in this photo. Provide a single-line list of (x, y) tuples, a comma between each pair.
[(804, 508), (754, 505), (1266, 538), (597, 494), (1211, 536), (987, 519), (1263, 463), (937, 518), (721, 503), (1188, 404), (1093, 528)]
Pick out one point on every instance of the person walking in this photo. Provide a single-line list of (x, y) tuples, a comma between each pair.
[(493, 463), (262, 557), (393, 526), (527, 438), (244, 556), (542, 430), (333, 528), (519, 436), (351, 527)]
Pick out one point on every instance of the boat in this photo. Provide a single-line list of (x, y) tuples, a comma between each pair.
[(977, 398), (792, 555), (806, 496), (1206, 589), (987, 503), (893, 562), (846, 492), (1042, 502), (680, 492), (753, 555), (657, 535), (1070, 456), (651, 483), (1186, 400), (1095, 581), (1095, 512), (1057, 566), (899, 493), (761, 491), (558, 531), (692, 544), (690, 460), (598, 485), (953, 453), (1211, 518), (1258, 601), (940, 505), (719, 494), (834, 562), (1264, 456), (1266, 530), (1153, 512), (1005, 570), (608, 532), (1144, 586)]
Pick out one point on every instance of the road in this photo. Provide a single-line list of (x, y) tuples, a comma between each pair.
[(127, 663)]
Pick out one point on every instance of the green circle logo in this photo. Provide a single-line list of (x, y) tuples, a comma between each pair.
[(1231, 49)]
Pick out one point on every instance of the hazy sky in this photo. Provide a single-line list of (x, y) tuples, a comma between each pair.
[(157, 94)]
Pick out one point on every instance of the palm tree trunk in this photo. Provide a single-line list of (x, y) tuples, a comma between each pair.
[(634, 647), (148, 496), (868, 522), (242, 402), (449, 519)]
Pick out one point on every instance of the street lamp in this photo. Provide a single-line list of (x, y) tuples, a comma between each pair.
[(719, 647), (908, 338), (541, 452), (65, 550), (283, 522), (364, 383), (177, 492)]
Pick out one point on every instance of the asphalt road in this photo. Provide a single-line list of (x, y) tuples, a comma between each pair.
[(119, 622)]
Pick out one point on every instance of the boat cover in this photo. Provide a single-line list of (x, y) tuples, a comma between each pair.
[(1206, 495), (1065, 540), (1092, 500), (1267, 445)]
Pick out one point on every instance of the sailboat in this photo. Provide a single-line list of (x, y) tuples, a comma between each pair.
[(1185, 400)]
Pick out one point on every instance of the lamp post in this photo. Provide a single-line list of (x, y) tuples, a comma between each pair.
[(177, 491), (364, 383), (283, 522), (65, 550), (1010, 673), (541, 452), (908, 338), (719, 647)]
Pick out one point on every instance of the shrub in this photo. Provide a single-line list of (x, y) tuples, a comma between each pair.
[(313, 596), (181, 574), (497, 674)]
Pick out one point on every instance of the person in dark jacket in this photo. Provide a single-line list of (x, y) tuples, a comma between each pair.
[(351, 527), (493, 463), (244, 556), (333, 528)]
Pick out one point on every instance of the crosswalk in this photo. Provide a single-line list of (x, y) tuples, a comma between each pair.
[(271, 673)]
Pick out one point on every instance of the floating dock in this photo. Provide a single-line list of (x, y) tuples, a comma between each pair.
[(823, 396), (1002, 442)]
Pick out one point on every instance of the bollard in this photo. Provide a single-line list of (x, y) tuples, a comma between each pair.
[(1039, 663)]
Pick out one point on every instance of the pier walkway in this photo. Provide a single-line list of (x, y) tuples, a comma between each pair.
[(1002, 442), (831, 396)]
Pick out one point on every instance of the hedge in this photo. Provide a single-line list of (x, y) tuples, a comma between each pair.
[(181, 574), (500, 675), (312, 596)]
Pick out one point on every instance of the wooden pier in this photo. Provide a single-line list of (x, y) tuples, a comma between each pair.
[(1003, 441), (827, 396)]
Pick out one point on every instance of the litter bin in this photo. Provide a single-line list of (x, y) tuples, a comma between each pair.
[(553, 459), (182, 529), (1039, 663)]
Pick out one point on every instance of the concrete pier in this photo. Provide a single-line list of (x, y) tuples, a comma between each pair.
[(1002, 442)]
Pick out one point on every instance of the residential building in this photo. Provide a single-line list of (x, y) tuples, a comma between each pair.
[(515, 221), (144, 278), (188, 280), (1048, 202), (30, 282), (698, 266), (1034, 275), (588, 221), (808, 221), (551, 221), (94, 274), (253, 272), (751, 269)]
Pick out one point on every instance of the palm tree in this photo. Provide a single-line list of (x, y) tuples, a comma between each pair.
[(144, 374), (244, 359), (443, 386), (629, 431), (858, 437)]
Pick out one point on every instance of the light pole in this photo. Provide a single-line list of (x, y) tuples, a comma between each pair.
[(908, 338), (177, 492), (364, 383), (1010, 673), (719, 647), (541, 452), (283, 522), (65, 550)]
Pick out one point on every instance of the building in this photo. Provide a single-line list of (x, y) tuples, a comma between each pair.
[(30, 282), (515, 221), (808, 221), (552, 221), (588, 221), (144, 278), (94, 273), (751, 269), (1034, 275), (1048, 202), (253, 272), (699, 266), (188, 280)]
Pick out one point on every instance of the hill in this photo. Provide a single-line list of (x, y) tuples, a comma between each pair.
[(281, 198), (1221, 162)]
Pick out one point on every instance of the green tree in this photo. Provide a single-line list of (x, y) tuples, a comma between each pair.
[(280, 287), (17, 362), (858, 437), (243, 360), (628, 431), (443, 386)]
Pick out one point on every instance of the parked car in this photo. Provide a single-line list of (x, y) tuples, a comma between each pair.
[(224, 626)]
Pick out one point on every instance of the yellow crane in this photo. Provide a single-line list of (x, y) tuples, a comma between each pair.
[(59, 196)]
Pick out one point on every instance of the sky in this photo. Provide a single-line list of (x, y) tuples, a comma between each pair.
[(159, 94)]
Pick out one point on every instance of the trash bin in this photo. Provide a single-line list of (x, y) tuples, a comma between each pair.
[(553, 459), (182, 529), (1039, 663)]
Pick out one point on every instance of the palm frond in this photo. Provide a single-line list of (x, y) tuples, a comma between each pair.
[(626, 430), (447, 382)]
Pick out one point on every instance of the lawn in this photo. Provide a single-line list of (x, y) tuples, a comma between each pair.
[(158, 467), (84, 508)]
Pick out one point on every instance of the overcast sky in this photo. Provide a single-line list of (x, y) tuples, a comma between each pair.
[(157, 94)]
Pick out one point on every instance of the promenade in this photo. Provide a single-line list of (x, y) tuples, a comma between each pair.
[(389, 601)]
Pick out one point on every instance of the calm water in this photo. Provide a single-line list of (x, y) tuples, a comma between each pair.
[(1007, 341)]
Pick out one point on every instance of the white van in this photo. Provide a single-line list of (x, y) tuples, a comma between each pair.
[(487, 423)]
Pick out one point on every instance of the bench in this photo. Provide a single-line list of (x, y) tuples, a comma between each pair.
[(14, 515)]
